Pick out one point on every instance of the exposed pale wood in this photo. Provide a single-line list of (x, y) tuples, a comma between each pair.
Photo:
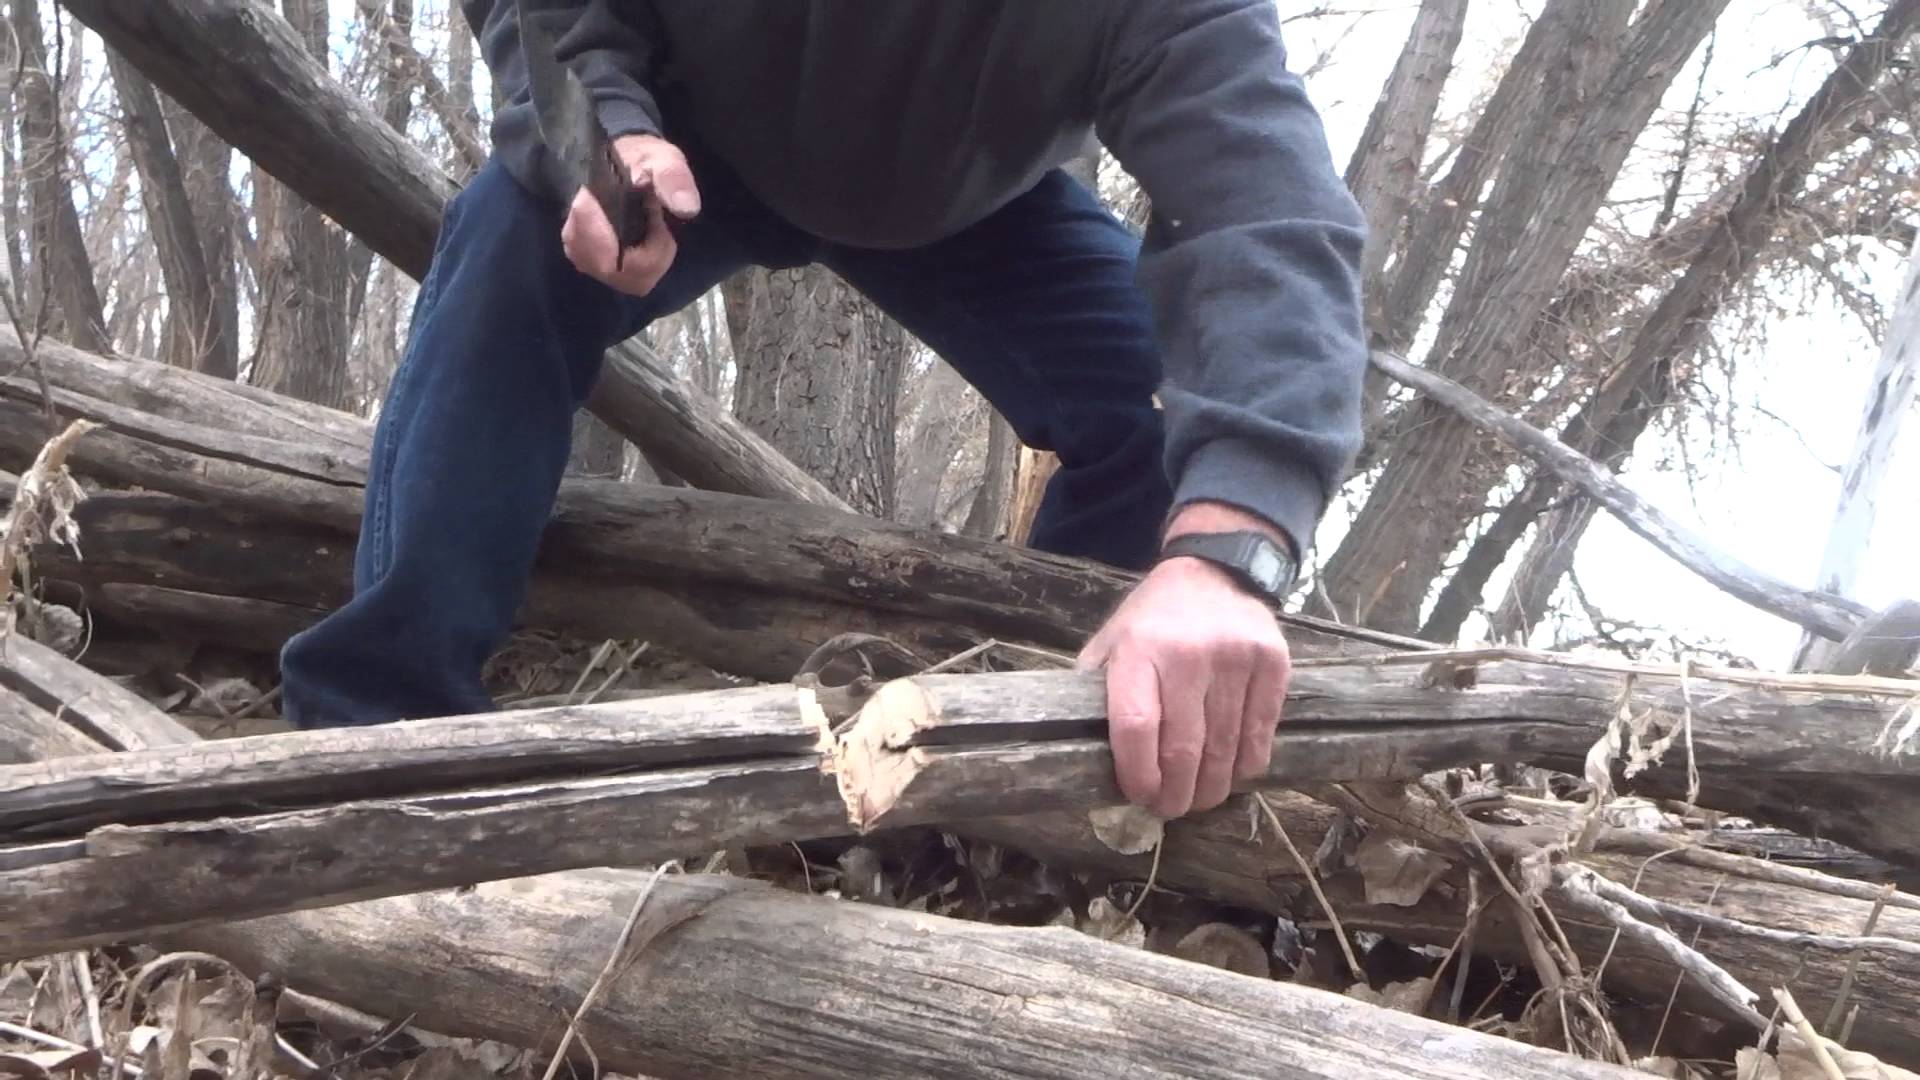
[(1822, 613), (945, 999), (261, 91), (1890, 395), (1220, 855)]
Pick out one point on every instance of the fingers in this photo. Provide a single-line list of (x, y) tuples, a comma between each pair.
[(1226, 701), (1133, 725), (1266, 694), (589, 238), (1183, 728)]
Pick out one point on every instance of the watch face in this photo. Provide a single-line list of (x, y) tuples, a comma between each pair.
[(1265, 567)]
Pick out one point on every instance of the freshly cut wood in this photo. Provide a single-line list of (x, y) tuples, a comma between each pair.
[(1822, 613), (456, 800), (730, 977), (1219, 855), (239, 68)]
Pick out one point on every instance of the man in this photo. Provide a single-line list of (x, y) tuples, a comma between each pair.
[(912, 146)]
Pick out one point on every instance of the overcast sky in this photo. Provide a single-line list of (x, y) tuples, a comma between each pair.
[(1770, 500)]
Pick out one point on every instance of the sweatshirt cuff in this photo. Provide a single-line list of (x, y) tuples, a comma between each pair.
[(1284, 493), (623, 115)]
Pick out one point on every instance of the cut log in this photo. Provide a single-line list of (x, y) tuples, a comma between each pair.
[(457, 800), (241, 70), (733, 978), (1821, 613), (807, 566), (1214, 855)]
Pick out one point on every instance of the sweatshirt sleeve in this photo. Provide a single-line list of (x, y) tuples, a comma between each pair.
[(609, 45), (1250, 261)]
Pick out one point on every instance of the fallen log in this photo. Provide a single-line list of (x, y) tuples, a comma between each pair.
[(1822, 613), (456, 800), (729, 977), (239, 68), (1226, 855)]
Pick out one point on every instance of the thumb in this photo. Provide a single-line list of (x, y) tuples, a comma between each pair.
[(1095, 654), (673, 179)]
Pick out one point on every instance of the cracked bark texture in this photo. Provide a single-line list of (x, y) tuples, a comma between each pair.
[(819, 378)]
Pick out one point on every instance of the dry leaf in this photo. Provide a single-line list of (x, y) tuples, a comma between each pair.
[(1408, 997), (1395, 871), (1753, 1064), (1109, 922), (1127, 829), (1797, 1061), (1224, 946)]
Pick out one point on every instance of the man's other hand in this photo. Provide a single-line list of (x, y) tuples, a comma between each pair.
[(588, 236), (1196, 672)]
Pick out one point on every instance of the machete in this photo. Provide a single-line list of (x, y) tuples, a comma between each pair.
[(574, 135)]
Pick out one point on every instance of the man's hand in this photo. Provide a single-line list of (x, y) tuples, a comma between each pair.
[(1196, 672), (588, 236)]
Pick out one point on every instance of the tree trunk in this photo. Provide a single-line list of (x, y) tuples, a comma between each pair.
[(1546, 197), (204, 159), (60, 259), (195, 335), (945, 416), (306, 289), (1890, 397), (1623, 405), (1385, 169), (987, 516), (819, 378)]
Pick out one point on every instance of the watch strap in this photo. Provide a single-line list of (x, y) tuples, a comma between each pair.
[(1254, 559)]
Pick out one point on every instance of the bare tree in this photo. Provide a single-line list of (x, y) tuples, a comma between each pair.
[(60, 262)]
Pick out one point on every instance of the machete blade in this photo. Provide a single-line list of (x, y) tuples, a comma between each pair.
[(572, 131)]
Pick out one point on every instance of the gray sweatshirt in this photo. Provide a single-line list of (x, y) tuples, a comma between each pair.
[(892, 123)]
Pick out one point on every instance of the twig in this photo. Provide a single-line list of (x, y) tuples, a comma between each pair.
[(1576, 887), (1853, 962), (1815, 1044), (605, 977), (1673, 995), (1313, 882), (1153, 875), (1474, 905), (599, 657), (618, 671), (83, 974)]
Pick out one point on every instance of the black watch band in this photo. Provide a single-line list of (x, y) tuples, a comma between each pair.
[(1257, 561)]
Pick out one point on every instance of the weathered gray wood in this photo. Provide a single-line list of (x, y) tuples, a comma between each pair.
[(100, 709), (758, 983), (951, 998), (1890, 396), (241, 70), (1886, 644), (1218, 855), (1822, 613), (31, 733), (932, 749)]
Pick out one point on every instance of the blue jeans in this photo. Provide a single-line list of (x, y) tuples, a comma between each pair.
[(1035, 306)]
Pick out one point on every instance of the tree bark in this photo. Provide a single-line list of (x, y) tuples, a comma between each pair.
[(987, 516), (243, 71), (819, 378), (196, 336), (1540, 208), (446, 802), (307, 286), (59, 246), (1890, 397), (1385, 168), (204, 159)]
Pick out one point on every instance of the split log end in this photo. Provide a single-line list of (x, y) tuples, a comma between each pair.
[(874, 761)]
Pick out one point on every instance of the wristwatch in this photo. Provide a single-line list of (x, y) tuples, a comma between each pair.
[(1254, 559)]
